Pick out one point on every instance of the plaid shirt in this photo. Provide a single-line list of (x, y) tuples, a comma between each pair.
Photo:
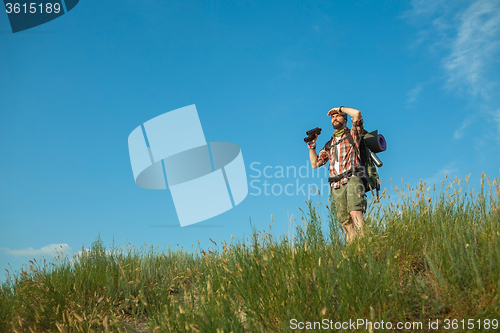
[(347, 155)]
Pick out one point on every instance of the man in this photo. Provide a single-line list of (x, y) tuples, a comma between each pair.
[(348, 192)]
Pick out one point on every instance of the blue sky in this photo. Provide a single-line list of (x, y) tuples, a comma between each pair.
[(424, 73)]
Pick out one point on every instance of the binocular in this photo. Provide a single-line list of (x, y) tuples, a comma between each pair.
[(311, 134)]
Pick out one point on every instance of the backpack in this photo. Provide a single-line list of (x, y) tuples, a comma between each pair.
[(367, 171)]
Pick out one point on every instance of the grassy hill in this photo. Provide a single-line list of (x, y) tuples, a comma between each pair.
[(431, 258)]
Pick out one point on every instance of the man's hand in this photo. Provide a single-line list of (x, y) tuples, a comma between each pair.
[(313, 141), (334, 110), (313, 157)]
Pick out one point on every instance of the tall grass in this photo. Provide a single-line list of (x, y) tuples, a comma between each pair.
[(431, 255)]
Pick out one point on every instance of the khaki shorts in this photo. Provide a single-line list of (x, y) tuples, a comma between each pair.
[(348, 198)]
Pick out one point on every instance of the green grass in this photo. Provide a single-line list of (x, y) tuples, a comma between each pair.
[(431, 256)]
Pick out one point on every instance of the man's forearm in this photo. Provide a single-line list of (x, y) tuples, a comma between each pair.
[(313, 157), (355, 114)]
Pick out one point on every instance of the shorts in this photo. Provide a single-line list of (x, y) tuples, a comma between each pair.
[(349, 197)]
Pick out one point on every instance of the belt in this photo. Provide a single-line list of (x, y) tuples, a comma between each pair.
[(358, 172)]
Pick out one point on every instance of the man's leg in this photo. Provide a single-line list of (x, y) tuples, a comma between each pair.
[(340, 202), (356, 204), (357, 218), (350, 231)]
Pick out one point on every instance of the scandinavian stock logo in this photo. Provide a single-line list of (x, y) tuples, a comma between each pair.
[(205, 180), (28, 14)]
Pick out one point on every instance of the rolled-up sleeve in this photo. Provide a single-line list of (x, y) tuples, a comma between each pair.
[(357, 130), (323, 156)]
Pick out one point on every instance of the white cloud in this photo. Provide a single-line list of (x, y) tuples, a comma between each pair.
[(413, 94), (423, 8), (459, 132), (289, 67), (496, 118), (469, 32), (450, 169), (49, 250), (476, 46)]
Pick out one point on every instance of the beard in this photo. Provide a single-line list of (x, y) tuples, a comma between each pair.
[(338, 125)]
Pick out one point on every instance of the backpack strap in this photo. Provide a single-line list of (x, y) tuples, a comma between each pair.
[(351, 142)]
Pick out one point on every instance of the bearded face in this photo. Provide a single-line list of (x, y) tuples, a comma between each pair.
[(338, 121)]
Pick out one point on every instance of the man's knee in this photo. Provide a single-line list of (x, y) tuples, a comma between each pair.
[(355, 213)]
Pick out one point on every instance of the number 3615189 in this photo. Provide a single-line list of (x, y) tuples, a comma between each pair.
[(32, 8)]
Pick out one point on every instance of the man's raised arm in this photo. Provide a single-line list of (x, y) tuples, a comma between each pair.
[(355, 114)]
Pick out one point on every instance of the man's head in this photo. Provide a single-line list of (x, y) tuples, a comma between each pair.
[(339, 119)]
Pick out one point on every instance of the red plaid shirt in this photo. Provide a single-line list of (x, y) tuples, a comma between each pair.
[(347, 155)]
